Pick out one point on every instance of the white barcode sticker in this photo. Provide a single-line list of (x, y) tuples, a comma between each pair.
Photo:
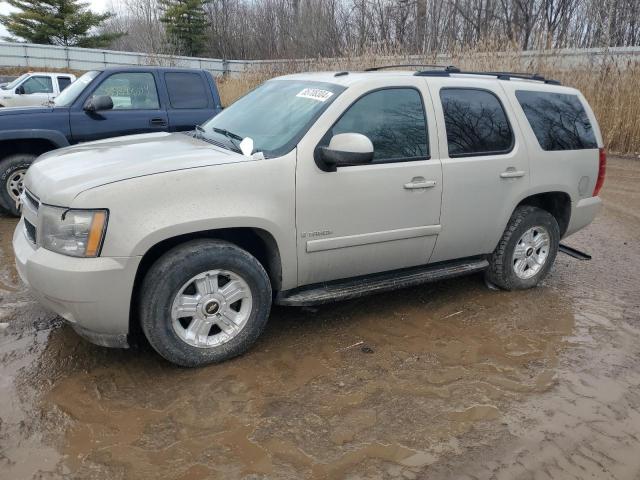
[(315, 94)]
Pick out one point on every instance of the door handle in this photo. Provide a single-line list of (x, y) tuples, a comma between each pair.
[(419, 182), (158, 122), (512, 173)]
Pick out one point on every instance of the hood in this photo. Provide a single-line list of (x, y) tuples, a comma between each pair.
[(57, 177), (6, 111)]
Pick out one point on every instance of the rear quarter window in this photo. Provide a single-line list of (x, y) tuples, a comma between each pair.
[(558, 120), (63, 82)]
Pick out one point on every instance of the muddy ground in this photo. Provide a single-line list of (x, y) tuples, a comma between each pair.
[(448, 380)]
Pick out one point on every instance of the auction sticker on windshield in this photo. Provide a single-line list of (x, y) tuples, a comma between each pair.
[(315, 94)]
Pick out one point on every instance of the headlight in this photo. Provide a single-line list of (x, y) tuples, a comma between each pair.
[(78, 233)]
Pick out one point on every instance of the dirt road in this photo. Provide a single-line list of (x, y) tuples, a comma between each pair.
[(448, 380)]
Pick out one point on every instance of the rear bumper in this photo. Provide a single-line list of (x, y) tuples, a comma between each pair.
[(583, 213), (92, 294)]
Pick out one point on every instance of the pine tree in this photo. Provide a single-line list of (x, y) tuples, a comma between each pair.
[(185, 22), (57, 22)]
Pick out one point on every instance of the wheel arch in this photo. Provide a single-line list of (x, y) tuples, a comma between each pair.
[(258, 242), (557, 203), (30, 142)]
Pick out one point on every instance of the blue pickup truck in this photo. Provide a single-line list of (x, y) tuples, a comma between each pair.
[(101, 104)]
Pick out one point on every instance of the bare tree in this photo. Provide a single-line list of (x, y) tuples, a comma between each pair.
[(267, 29)]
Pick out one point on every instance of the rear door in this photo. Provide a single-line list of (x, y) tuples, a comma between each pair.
[(485, 165), (381, 216), (190, 102), (136, 108)]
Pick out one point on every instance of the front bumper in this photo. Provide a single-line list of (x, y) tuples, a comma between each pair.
[(92, 294)]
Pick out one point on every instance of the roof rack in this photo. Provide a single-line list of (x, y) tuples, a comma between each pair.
[(499, 75), (401, 65)]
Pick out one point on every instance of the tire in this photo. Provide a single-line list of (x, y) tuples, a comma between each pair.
[(529, 265), (186, 275), (12, 171)]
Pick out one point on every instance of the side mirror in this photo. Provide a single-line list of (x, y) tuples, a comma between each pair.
[(345, 150), (98, 102), (20, 90)]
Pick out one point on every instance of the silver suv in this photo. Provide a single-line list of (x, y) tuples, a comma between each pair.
[(311, 188)]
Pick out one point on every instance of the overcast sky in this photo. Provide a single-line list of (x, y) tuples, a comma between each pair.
[(96, 6)]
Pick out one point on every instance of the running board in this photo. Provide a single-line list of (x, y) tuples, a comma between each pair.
[(376, 283), (572, 252)]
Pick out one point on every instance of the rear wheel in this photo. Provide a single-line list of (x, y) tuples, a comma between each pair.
[(526, 251), (204, 302), (12, 172)]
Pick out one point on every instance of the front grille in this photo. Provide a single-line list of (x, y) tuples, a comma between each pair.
[(34, 203), (31, 231)]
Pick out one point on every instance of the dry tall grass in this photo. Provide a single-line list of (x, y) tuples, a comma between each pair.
[(613, 90)]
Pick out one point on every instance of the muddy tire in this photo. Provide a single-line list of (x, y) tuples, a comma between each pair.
[(12, 171), (204, 302), (526, 251)]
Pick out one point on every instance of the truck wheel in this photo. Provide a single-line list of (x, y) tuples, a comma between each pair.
[(12, 171), (204, 302), (526, 250)]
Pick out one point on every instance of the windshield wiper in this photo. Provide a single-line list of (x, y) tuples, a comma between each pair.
[(199, 131), (231, 136)]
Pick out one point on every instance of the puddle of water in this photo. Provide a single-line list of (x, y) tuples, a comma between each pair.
[(9, 281), (300, 404)]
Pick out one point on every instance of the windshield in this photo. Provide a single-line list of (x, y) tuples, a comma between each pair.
[(275, 115), (73, 91), (11, 85)]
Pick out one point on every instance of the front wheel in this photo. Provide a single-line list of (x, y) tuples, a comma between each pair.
[(12, 172), (526, 251), (204, 302)]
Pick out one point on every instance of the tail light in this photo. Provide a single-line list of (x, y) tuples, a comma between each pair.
[(602, 167)]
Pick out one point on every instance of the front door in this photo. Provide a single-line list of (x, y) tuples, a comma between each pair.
[(38, 90), (376, 217), (136, 109)]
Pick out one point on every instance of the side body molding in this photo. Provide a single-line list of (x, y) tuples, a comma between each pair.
[(369, 238)]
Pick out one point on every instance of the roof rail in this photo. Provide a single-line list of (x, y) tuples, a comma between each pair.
[(382, 67), (499, 75)]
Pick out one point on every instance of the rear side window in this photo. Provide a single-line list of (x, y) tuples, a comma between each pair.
[(393, 119), (63, 82), (476, 123), (186, 90), (559, 121)]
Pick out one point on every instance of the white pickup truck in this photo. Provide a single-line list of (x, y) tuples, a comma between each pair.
[(34, 88)]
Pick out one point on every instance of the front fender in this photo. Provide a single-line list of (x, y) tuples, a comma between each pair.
[(145, 211), (55, 137)]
